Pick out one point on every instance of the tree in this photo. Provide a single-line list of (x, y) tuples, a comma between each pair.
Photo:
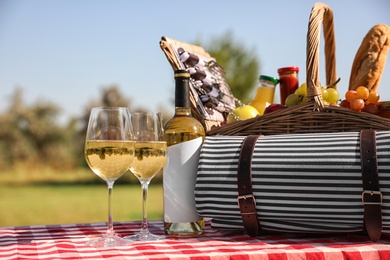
[(110, 97), (240, 65), (31, 135)]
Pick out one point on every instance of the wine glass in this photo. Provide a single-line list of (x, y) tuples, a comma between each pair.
[(149, 158), (109, 152)]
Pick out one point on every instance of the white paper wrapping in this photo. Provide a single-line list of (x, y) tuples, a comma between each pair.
[(179, 178)]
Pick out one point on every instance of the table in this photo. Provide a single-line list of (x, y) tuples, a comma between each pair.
[(67, 242)]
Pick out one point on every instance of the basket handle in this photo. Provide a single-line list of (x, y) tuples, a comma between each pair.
[(320, 14)]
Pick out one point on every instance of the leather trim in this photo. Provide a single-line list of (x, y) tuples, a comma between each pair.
[(246, 201), (371, 195)]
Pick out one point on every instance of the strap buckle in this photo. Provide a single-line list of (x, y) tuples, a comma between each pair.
[(372, 197), (247, 204)]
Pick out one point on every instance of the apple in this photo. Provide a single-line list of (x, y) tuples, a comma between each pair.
[(273, 107), (241, 113)]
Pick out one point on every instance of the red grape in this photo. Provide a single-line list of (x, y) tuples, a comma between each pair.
[(362, 92), (371, 108), (344, 103), (357, 104), (373, 97), (351, 95)]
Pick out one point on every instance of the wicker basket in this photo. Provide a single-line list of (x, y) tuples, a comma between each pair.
[(313, 116)]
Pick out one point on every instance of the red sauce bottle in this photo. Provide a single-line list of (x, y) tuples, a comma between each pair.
[(288, 81)]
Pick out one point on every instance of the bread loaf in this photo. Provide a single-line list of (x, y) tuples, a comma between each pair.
[(370, 58)]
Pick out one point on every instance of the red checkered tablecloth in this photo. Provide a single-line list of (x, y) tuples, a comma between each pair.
[(68, 242)]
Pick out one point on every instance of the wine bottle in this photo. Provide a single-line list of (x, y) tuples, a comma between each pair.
[(184, 135)]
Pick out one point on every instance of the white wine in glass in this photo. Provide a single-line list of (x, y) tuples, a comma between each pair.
[(149, 158), (109, 152)]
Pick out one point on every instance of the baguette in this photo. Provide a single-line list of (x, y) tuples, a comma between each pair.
[(370, 58)]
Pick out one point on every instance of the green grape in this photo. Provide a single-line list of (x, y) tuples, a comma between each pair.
[(303, 89), (333, 95), (324, 94), (293, 100), (298, 92)]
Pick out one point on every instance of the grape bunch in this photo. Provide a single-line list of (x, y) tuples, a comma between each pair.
[(330, 95), (361, 99)]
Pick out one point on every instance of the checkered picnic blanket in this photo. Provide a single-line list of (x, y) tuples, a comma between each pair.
[(68, 242)]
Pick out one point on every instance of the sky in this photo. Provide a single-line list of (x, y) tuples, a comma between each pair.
[(66, 51)]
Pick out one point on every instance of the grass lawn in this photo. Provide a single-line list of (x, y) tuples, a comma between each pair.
[(44, 199)]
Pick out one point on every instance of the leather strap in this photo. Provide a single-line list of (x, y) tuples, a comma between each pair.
[(246, 201), (371, 196)]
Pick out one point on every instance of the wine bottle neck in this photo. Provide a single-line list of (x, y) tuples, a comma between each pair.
[(183, 111), (182, 98)]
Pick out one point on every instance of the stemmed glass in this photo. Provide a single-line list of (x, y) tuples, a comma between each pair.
[(149, 159), (109, 152)]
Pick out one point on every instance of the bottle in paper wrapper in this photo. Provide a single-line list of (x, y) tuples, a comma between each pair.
[(179, 182), (184, 135)]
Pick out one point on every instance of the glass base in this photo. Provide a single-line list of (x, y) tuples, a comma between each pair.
[(108, 241), (144, 236)]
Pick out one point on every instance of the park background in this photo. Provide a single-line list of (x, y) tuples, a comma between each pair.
[(60, 58)]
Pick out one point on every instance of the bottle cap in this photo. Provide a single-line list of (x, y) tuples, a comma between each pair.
[(288, 69), (268, 78)]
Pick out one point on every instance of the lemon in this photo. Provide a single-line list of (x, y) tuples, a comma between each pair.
[(241, 113)]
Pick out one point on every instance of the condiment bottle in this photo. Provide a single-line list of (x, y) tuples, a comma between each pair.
[(265, 93), (184, 135), (288, 82)]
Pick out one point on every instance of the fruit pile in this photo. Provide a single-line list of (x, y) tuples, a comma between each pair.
[(361, 99), (330, 95)]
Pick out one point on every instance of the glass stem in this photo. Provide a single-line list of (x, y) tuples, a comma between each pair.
[(144, 227), (110, 227)]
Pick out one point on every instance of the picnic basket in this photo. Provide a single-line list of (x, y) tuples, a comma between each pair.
[(310, 168), (313, 116)]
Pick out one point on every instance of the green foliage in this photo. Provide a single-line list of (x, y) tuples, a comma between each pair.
[(31, 134), (240, 64)]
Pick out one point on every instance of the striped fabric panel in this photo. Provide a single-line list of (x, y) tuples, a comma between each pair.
[(302, 182)]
